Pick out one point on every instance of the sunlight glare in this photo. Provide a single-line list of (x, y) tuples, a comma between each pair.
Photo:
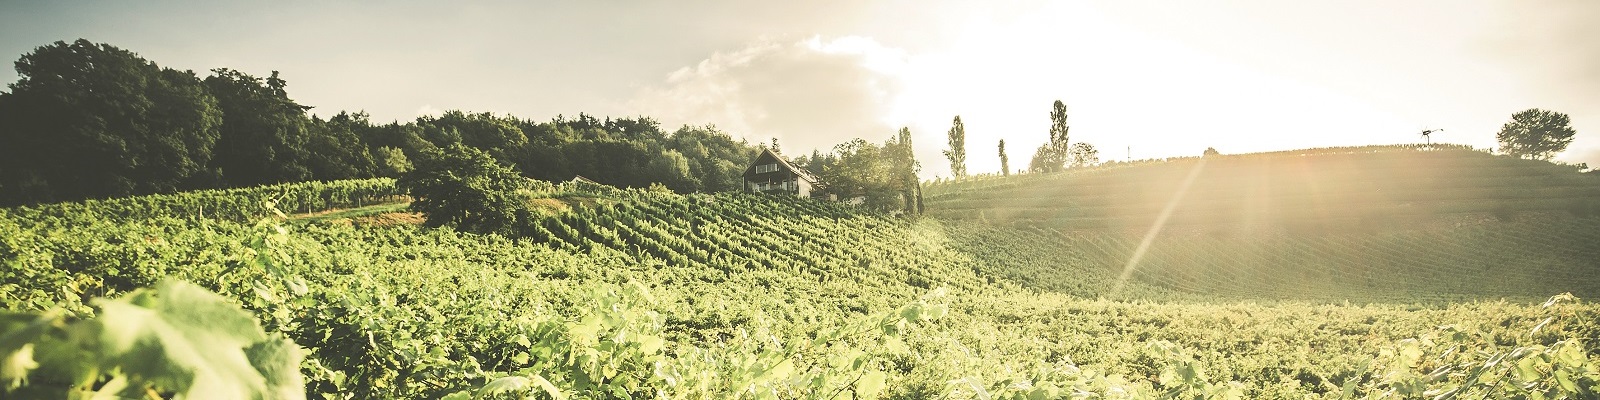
[(1155, 228)]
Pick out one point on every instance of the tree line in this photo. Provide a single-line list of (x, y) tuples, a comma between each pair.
[(1054, 155), (89, 120)]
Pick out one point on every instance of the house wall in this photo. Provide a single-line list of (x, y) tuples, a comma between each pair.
[(796, 186)]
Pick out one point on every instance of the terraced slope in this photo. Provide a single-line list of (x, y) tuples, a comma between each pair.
[(1272, 192), (1376, 223)]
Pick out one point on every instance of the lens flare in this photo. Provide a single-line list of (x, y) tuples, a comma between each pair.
[(1155, 228)]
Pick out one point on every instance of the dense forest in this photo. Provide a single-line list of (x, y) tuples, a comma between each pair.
[(88, 120)]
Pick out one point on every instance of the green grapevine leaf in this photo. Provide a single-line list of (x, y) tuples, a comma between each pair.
[(510, 384), (548, 388), (186, 339), (871, 383), (14, 368)]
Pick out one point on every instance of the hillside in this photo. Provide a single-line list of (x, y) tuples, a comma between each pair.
[(1314, 190), (630, 293), (1366, 223)]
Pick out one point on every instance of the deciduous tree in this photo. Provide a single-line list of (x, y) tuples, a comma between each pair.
[(1084, 155), (264, 134), (1535, 133), (465, 188), (91, 120)]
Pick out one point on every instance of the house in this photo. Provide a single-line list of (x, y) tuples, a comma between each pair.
[(771, 173)]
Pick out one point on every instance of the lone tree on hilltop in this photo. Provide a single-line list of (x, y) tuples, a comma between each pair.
[(1536, 134), (958, 149), (465, 188)]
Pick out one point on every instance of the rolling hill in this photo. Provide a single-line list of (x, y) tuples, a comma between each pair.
[(1005, 292), (1382, 222)]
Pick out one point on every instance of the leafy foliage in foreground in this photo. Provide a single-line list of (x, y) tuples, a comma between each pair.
[(171, 340)]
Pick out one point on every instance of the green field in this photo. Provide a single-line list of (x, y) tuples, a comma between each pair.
[(1390, 273)]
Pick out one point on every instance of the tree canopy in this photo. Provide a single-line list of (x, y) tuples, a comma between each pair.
[(265, 135), (1083, 155), (88, 120), (463, 187), (885, 177), (1536, 134)]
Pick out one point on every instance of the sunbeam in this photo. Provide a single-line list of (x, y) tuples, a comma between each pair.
[(1155, 228)]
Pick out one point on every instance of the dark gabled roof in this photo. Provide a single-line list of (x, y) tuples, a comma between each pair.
[(804, 174)]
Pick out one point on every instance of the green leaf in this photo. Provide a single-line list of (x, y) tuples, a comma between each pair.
[(510, 384), (14, 368), (1527, 369), (279, 362), (185, 339), (18, 332), (1565, 379), (548, 388), (1410, 353), (779, 371), (911, 313), (871, 383), (650, 345)]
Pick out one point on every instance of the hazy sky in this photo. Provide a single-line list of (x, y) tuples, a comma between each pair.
[(1165, 78)]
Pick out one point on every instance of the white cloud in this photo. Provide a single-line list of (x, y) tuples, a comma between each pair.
[(810, 94), (427, 110)]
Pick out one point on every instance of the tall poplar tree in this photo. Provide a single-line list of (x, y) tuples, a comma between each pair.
[(1005, 162), (1053, 154), (903, 167), (958, 148)]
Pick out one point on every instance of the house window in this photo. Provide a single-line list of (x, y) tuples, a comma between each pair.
[(763, 168)]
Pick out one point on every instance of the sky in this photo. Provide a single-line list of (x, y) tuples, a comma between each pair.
[(1141, 78)]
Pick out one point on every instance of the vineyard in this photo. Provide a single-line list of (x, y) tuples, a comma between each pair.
[(1411, 224), (1277, 192), (640, 294)]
